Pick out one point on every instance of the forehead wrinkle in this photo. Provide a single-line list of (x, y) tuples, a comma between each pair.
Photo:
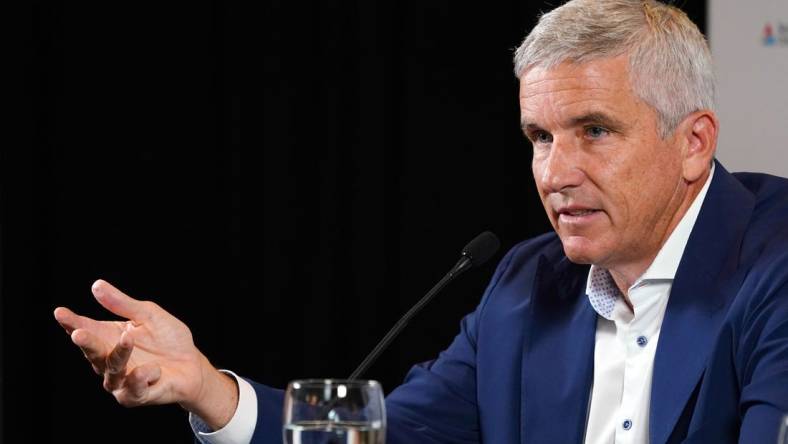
[(596, 107), (570, 88), (551, 75), (573, 77)]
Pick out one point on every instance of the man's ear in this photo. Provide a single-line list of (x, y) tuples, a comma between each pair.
[(698, 135)]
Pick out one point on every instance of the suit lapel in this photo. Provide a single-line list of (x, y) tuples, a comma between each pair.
[(706, 279), (558, 355)]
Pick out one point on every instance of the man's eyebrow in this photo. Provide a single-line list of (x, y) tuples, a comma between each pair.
[(527, 126), (597, 118), (592, 118)]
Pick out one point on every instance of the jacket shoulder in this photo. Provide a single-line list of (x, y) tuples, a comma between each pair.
[(770, 213), (518, 267), (766, 237), (547, 245)]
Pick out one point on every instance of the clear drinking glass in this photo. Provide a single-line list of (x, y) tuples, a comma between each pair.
[(783, 437), (334, 411)]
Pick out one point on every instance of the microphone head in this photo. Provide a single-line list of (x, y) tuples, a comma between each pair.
[(481, 248)]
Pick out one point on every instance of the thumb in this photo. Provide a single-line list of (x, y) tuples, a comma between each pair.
[(119, 303)]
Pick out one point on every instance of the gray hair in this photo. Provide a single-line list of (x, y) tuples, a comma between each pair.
[(670, 65)]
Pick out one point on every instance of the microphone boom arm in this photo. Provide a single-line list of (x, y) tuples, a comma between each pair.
[(460, 267)]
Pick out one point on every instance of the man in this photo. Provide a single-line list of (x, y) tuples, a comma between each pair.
[(657, 311)]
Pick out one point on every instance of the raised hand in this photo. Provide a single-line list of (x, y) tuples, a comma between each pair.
[(150, 358)]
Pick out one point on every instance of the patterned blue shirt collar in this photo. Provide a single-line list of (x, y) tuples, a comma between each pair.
[(602, 291)]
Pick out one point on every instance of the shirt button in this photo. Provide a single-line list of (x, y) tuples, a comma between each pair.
[(642, 341), (627, 424)]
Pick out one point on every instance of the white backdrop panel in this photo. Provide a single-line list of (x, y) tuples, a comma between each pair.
[(749, 41)]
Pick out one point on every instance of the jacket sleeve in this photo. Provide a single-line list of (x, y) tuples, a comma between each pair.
[(270, 405), (763, 351), (437, 403)]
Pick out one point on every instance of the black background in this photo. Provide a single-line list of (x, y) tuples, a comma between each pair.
[(285, 177)]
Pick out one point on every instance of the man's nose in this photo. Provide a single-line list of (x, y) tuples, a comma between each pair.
[(561, 168)]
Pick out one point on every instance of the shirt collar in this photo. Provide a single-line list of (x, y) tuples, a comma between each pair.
[(601, 289)]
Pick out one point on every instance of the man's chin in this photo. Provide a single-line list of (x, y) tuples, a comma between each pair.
[(578, 251), (579, 259)]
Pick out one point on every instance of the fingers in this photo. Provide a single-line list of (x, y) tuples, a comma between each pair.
[(130, 388), (94, 349), (71, 321), (119, 303), (116, 362), (140, 386), (88, 334)]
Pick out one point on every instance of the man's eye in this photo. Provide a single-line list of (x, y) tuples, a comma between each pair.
[(542, 137), (596, 132)]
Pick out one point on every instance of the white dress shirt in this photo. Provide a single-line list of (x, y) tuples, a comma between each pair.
[(626, 340), (241, 426), (623, 355)]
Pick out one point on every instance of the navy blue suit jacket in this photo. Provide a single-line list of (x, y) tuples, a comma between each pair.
[(521, 368)]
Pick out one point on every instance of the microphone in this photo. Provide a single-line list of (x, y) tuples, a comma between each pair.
[(477, 252)]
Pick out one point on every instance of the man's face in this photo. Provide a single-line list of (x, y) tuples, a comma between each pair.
[(610, 185)]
